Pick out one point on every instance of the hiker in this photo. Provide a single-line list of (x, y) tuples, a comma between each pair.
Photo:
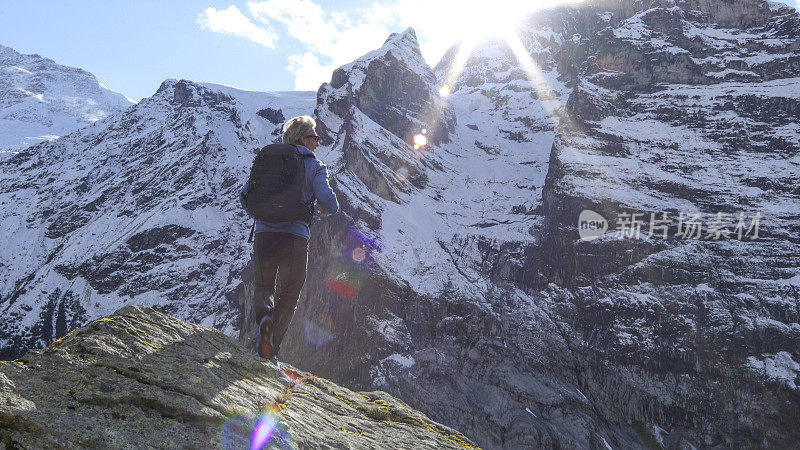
[(281, 246)]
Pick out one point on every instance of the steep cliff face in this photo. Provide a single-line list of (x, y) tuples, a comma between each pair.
[(41, 100), (137, 208), (681, 112), (142, 379)]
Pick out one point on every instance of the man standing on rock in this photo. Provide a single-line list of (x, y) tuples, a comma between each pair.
[(285, 181)]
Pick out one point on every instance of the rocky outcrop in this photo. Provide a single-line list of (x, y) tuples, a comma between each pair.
[(143, 379)]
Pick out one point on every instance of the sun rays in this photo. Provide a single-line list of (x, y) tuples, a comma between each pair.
[(524, 60)]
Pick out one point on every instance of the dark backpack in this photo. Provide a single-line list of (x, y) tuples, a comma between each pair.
[(275, 187)]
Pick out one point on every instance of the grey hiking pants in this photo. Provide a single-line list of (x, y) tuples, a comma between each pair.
[(284, 255)]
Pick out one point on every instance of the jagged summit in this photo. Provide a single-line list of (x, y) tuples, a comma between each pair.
[(143, 379), (401, 47), (369, 116), (41, 100), (407, 37), (395, 74)]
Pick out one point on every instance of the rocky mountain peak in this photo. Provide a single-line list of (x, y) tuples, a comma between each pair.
[(395, 75), (41, 100), (405, 39), (398, 46), (186, 93), (388, 96), (142, 378)]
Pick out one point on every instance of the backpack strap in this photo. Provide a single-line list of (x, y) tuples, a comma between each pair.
[(309, 204)]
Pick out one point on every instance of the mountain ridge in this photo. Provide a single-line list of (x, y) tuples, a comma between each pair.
[(178, 133), (41, 100)]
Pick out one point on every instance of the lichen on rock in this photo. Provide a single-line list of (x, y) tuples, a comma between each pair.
[(143, 379)]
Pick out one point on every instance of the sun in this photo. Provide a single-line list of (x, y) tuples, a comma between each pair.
[(467, 23), (474, 21)]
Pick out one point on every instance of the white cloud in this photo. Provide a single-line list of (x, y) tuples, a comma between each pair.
[(308, 71), (344, 35), (339, 36), (232, 21), (441, 24)]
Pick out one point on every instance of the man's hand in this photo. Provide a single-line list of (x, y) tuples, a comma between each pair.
[(322, 213)]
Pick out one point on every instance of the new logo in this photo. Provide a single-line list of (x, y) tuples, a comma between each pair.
[(591, 225)]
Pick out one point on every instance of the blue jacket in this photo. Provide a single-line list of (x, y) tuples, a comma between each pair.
[(316, 184)]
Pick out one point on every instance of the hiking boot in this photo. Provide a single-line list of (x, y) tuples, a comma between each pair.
[(265, 348)]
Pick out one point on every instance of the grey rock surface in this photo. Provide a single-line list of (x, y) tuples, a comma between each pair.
[(143, 379)]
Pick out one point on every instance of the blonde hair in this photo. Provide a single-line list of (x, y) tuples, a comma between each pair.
[(297, 127)]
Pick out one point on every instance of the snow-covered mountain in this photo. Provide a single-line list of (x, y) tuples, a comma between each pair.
[(455, 277), (476, 296), (135, 209), (41, 100)]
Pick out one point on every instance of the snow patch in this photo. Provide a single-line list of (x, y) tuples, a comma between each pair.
[(19, 69), (402, 361), (794, 281), (779, 367)]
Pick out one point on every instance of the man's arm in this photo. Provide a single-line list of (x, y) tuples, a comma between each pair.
[(326, 198)]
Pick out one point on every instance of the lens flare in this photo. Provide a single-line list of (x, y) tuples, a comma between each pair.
[(444, 91), (420, 141), (255, 430), (402, 174), (316, 335), (263, 432), (343, 288), (365, 240), (359, 255)]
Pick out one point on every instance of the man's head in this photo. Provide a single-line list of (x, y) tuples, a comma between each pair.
[(300, 131)]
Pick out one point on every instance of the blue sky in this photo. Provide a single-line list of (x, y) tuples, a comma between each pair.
[(133, 48), (270, 45)]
